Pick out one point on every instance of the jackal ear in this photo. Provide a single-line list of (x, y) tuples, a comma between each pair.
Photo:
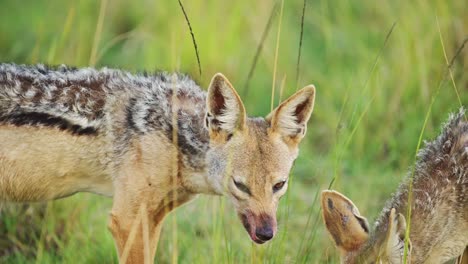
[(344, 223), (225, 110), (290, 118), (394, 243)]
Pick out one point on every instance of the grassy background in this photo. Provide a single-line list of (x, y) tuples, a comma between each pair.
[(371, 103)]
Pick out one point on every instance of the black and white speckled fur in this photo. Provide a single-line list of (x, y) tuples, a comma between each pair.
[(86, 100)]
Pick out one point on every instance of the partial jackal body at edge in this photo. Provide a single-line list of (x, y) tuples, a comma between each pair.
[(152, 142), (439, 209)]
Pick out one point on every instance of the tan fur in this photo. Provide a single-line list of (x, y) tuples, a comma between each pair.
[(151, 177), (32, 173)]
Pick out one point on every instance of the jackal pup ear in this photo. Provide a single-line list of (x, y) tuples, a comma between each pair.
[(290, 118), (344, 223), (394, 243), (225, 110)]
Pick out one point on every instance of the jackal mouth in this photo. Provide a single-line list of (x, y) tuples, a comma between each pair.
[(258, 233), (259, 241), (250, 230)]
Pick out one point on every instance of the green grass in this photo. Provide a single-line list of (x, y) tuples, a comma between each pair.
[(371, 106)]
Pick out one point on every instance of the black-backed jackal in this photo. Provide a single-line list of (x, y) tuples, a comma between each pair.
[(152, 142), (439, 208)]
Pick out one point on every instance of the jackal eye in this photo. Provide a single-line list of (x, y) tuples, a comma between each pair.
[(278, 186), (241, 187)]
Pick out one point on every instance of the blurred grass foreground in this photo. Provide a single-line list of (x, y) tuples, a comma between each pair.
[(374, 89)]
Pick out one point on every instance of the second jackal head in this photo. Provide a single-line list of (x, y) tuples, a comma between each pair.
[(250, 158)]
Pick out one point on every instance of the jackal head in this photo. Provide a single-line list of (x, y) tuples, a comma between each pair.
[(250, 158), (352, 236)]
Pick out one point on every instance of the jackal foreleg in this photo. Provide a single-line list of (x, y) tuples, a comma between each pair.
[(135, 236), (136, 232)]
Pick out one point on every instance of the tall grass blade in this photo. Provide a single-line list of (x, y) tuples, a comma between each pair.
[(276, 56), (447, 61), (175, 163), (300, 43), (259, 50), (459, 50), (98, 32), (374, 66), (193, 37), (410, 188), (309, 218), (376, 61)]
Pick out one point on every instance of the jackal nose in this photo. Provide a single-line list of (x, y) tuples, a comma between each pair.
[(264, 233)]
